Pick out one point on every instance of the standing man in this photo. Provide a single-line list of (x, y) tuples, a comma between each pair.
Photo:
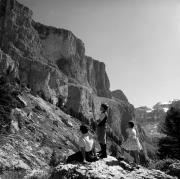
[(101, 130)]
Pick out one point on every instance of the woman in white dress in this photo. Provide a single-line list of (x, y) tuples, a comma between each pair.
[(132, 143)]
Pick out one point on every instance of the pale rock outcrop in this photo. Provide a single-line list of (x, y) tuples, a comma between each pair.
[(119, 95), (107, 168)]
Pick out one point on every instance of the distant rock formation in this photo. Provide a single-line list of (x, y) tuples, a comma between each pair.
[(156, 113)]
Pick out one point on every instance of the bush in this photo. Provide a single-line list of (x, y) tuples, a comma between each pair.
[(162, 165), (9, 90), (169, 146)]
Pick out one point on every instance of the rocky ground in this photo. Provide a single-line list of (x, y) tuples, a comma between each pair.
[(37, 130), (109, 168)]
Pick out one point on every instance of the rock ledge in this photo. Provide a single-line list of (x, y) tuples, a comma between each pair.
[(109, 168)]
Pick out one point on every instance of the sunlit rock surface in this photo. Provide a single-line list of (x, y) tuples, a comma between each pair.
[(106, 168)]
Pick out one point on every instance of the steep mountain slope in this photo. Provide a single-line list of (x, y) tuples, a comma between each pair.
[(43, 66)]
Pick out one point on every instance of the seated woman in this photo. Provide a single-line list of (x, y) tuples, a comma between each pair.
[(86, 146)]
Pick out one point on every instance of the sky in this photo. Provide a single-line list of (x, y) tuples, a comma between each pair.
[(138, 40)]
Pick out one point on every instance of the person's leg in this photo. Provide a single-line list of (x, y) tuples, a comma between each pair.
[(103, 151), (135, 155), (99, 138), (137, 160), (76, 157), (100, 152)]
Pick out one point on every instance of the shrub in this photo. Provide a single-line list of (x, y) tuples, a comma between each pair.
[(9, 90), (162, 165), (169, 146)]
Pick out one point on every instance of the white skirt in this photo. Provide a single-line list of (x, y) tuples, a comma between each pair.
[(132, 144)]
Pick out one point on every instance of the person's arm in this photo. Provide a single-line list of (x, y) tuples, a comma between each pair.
[(82, 149), (94, 149), (83, 154), (102, 116)]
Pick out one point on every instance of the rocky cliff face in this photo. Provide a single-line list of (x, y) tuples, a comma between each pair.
[(21, 41), (62, 48), (52, 62)]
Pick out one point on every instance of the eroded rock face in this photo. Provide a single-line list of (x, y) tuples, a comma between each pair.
[(45, 80), (8, 67), (61, 47), (21, 36), (17, 30), (97, 77), (21, 41), (81, 100), (52, 62)]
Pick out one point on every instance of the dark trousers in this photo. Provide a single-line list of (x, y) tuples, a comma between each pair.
[(78, 157)]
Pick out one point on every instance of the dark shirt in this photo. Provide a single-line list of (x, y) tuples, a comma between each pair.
[(102, 123)]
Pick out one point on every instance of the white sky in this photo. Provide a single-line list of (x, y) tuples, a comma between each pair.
[(139, 41)]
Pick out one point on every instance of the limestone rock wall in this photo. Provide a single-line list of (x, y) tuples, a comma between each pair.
[(52, 62), (21, 41), (97, 77), (61, 47)]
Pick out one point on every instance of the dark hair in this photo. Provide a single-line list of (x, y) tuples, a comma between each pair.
[(131, 124), (105, 106), (83, 129)]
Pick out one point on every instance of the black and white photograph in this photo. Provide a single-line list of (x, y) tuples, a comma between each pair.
[(89, 89)]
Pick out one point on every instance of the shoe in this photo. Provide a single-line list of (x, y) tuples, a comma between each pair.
[(103, 153)]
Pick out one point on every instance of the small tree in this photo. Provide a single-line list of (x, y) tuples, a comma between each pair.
[(169, 146), (8, 100)]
